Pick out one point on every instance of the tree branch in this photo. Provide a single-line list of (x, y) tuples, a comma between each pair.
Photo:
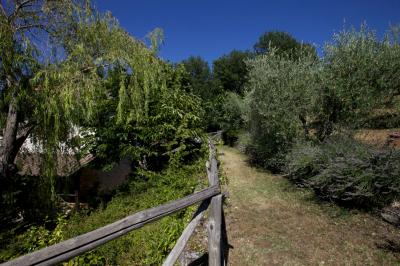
[(26, 130), (20, 139), (87, 69), (18, 8), (31, 26), (3, 11)]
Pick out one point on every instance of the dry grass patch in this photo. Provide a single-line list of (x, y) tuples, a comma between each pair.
[(270, 222), (378, 137)]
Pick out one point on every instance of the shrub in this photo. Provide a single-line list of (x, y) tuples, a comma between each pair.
[(346, 171), (232, 119), (34, 238), (146, 246), (150, 244)]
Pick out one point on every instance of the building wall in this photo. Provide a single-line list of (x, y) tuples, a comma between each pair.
[(93, 180)]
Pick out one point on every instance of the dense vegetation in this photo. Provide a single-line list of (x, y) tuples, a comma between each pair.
[(299, 108), (124, 102), (148, 245), (291, 110), (123, 99)]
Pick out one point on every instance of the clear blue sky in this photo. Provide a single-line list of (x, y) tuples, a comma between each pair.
[(210, 28)]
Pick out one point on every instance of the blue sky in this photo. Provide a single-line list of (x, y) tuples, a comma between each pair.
[(211, 28)]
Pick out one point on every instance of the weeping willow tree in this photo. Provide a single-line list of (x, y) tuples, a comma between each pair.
[(57, 61)]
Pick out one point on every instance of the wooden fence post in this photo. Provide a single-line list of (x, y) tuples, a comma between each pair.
[(77, 207), (215, 257), (214, 232), (187, 233), (75, 246)]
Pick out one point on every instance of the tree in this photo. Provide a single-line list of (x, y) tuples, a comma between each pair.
[(230, 72), (23, 25), (46, 95), (167, 132), (284, 43), (281, 99), (361, 75), (200, 77)]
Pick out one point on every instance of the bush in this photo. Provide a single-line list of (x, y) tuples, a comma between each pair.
[(25, 198), (344, 170), (232, 118), (150, 244), (34, 238), (146, 246)]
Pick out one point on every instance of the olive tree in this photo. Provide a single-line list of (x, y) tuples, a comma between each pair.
[(281, 97), (361, 74)]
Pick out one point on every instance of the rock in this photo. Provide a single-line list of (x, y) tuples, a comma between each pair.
[(188, 256), (391, 214), (394, 135)]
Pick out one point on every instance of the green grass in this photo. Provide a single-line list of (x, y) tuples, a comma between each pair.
[(272, 222)]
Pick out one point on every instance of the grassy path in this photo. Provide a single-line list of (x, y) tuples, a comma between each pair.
[(270, 222)]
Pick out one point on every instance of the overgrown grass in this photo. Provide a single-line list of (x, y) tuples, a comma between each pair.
[(146, 246), (149, 245)]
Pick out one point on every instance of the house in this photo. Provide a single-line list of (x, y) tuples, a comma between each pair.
[(74, 174)]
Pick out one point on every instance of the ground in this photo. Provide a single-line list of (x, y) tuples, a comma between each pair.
[(378, 137), (271, 222)]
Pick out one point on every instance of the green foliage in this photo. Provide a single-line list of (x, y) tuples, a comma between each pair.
[(201, 81), (282, 95), (146, 246), (199, 77), (290, 97), (34, 238), (172, 122), (284, 43), (88, 259), (101, 82), (228, 78), (150, 244), (38, 237), (361, 73), (230, 72), (24, 196), (232, 117), (344, 170), (213, 112)]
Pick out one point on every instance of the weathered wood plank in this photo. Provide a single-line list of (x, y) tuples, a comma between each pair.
[(187, 233), (82, 243), (212, 166), (224, 236), (215, 257)]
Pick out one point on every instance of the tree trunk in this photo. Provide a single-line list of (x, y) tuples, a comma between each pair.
[(8, 153), (305, 126)]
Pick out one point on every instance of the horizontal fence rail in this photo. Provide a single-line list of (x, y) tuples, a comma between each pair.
[(82, 243), (210, 198), (187, 233), (215, 226)]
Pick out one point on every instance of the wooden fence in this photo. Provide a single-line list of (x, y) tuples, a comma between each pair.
[(210, 198)]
